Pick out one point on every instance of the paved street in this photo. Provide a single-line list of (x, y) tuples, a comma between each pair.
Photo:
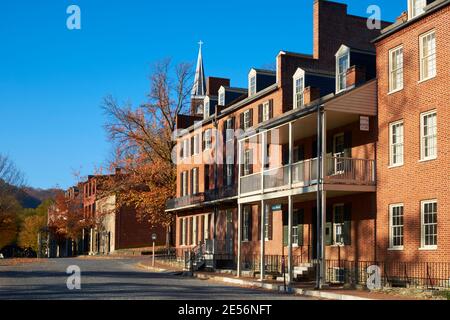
[(113, 279)]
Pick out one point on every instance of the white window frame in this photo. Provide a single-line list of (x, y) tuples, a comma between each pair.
[(428, 57), (247, 161), (208, 139), (199, 108), (392, 226), (246, 119), (391, 144), (252, 83), (266, 222), (343, 52), (184, 184), (412, 13), (246, 223), (338, 225), (394, 84), (195, 185), (266, 111), (183, 231), (298, 75), (196, 144), (422, 225), (423, 137), (186, 149)]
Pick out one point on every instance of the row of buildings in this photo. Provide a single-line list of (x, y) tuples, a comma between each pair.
[(107, 225), (330, 162)]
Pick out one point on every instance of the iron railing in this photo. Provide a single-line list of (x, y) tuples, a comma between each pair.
[(209, 195)]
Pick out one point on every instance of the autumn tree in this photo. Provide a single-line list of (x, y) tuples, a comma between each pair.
[(10, 177), (143, 141)]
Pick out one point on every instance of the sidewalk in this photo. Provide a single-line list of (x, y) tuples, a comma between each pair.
[(305, 289)]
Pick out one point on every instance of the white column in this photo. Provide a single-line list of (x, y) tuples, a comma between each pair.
[(290, 154), (289, 262), (239, 240), (263, 158), (239, 167), (263, 240), (323, 195), (91, 243)]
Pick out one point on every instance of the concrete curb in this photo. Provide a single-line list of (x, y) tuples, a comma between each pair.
[(258, 284)]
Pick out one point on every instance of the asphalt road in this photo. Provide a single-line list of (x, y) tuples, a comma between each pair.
[(114, 279)]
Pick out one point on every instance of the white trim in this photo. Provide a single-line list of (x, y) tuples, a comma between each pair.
[(422, 137), (266, 111), (221, 93), (247, 114), (206, 108), (422, 58), (391, 71), (411, 13), (391, 235), (252, 75), (422, 225)]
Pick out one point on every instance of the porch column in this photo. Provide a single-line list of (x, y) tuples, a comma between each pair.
[(263, 240), (289, 262), (239, 236), (263, 158), (323, 193), (91, 243), (290, 154)]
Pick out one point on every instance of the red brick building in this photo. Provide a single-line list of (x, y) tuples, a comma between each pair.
[(413, 154)]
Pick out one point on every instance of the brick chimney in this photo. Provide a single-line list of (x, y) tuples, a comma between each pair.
[(213, 85), (403, 17), (310, 94), (355, 76)]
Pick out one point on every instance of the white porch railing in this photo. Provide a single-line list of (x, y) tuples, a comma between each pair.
[(338, 170)]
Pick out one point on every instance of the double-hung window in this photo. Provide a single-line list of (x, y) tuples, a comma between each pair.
[(396, 143), (246, 119), (194, 231), (396, 69), (206, 227), (208, 141), (396, 226), (416, 7), (427, 55), (247, 164), (185, 148), (428, 135), (342, 65), (221, 99), (252, 85), (194, 180), (206, 111), (429, 224), (266, 111), (183, 231), (196, 144), (229, 134), (184, 183), (338, 224)]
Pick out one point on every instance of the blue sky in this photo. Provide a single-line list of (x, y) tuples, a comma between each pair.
[(52, 80)]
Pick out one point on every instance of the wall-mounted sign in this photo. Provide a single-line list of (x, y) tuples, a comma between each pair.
[(276, 207), (364, 123)]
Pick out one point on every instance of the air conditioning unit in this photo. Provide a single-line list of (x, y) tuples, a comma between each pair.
[(337, 275)]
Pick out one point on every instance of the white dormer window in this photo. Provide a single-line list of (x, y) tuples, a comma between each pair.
[(416, 8), (342, 65), (206, 109), (252, 82), (299, 87), (221, 96)]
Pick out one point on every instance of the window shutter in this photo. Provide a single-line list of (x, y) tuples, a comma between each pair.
[(270, 108), (250, 223), (180, 231), (181, 149), (192, 146), (260, 113), (259, 222), (285, 228), (285, 154), (348, 144), (270, 213), (241, 121), (347, 223), (329, 227), (300, 224), (233, 121), (251, 117), (203, 140)]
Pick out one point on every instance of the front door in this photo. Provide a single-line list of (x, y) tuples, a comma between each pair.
[(339, 152)]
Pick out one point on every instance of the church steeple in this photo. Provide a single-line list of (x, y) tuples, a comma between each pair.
[(199, 88)]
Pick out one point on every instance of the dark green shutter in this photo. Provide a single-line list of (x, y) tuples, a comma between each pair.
[(270, 227), (250, 223), (329, 227), (251, 117), (299, 221), (260, 113), (285, 228), (259, 222), (270, 108), (347, 223)]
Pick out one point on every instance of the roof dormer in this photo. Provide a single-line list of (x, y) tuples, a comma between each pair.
[(252, 82), (209, 106), (342, 65), (416, 8), (221, 96), (259, 79)]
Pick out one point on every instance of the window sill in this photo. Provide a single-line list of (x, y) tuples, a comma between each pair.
[(429, 248), (426, 79), (337, 245), (395, 91), (427, 159), (395, 249), (395, 166)]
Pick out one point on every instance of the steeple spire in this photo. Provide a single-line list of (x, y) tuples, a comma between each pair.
[(199, 88)]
